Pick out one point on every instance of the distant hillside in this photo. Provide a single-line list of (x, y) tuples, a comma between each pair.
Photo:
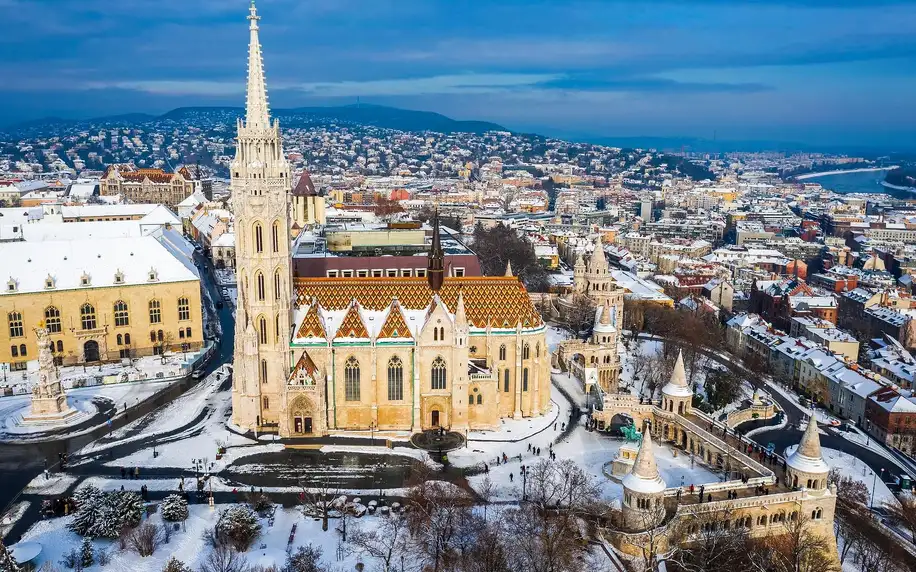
[(374, 115)]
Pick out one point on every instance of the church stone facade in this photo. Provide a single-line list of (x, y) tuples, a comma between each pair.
[(316, 355)]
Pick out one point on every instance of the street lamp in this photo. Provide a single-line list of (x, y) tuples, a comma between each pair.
[(874, 483), (372, 427), (524, 483)]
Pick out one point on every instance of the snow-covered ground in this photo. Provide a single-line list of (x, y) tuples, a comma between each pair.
[(121, 394), (823, 416), (188, 545), (224, 276)]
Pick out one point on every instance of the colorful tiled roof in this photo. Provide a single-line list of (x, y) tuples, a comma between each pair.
[(306, 366), (312, 325), (498, 301), (352, 325), (395, 325)]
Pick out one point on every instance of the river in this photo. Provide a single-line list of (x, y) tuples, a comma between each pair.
[(859, 182)]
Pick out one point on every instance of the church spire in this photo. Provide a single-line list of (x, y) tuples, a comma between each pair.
[(435, 267), (257, 112), (509, 269)]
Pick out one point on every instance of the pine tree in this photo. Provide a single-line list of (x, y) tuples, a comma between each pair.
[(87, 553), (86, 495), (7, 564), (239, 526), (174, 508), (175, 565), (129, 508), (107, 523)]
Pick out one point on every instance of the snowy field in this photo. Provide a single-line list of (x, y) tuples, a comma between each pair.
[(188, 545)]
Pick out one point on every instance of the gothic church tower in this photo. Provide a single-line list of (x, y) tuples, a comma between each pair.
[(260, 199)]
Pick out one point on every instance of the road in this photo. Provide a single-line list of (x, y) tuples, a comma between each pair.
[(20, 463), (783, 437)]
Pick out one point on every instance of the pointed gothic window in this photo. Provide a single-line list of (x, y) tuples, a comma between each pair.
[(525, 379), (121, 315), (351, 379), (259, 284), (395, 379), (52, 320), (506, 381), (526, 351), (258, 238), (262, 373), (275, 237), (438, 373), (502, 352), (277, 328), (277, 289), (87, 316), (262, 330)]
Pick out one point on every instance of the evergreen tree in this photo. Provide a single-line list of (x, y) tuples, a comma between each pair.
[(174, 508), (89, 504), (175, 565), (238, 525), (87, 553), (129, 507), (107, 523), (7, 564)]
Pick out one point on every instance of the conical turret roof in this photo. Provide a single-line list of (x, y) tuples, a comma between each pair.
[(598, 260), (644, 477), (509, 268), (807, 457), (678, 386), (605, 324)]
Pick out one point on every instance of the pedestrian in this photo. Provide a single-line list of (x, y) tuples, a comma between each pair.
[(709, 497), (122, 488), (511, 477), (47, 475), (691, 488), (529, 447), (486, 468), (137, 472), (562, 426), (181, 485), (554, 426)]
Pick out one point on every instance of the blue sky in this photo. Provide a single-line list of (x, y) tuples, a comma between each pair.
[(815, 71)]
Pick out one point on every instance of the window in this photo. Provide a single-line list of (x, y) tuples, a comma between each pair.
[(49, 282), (332, 274), (19, 366), (277, 328), (266, 401), (263, 371), (395, 379), (120, 340), (537, 350), (187, 333), (407, 272), (180, 334), (259, 281), (525, 379), (262, 330), (60, 346), (160, 336), (362, 273), (351, 379), (120, 314), (277, 289), (258, 238), (526, 351), (126, 339), (479, 399), (470, 399), (155, 312), (15, 323), (184, 309), (14, 351), (87, 316), (119, 277), (275, 237), (506, 381), (502, 352), (23, 351), (391, 273), (459, 272), (435, 334), (52, 320), (421, 273), (347, 274), (438, 373), (377, 273)]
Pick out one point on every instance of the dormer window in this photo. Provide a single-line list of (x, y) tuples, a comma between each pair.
[(85, 280), (119, 277), (11, 285), (49, 282), (152, 275)]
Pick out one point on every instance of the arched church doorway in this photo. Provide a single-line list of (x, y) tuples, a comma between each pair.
[(434, 417), (91, 351)]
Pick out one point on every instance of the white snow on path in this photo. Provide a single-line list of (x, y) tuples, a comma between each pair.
[(56, 484), (417, 454), (517, 429)]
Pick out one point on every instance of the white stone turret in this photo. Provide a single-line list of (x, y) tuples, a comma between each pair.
[(579, 283), (509, 269), (677, 397), (643, 489), (805, 466)]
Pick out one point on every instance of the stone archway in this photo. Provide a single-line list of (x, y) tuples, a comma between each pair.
[(436, 414), (302, 417), (91, 351)]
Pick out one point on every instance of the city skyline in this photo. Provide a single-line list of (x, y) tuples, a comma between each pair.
[(810, 71)]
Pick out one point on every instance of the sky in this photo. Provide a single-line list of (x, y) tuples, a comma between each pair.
[(820, 72)]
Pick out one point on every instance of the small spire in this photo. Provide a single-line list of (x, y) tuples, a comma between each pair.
[(810, 445), (679, 374), (509, 269), (435, 267), (645, 466), (606, 313), (598, 260), (461, 317)]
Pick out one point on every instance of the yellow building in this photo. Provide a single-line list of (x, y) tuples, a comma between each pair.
[(99, 301), (148, 185)]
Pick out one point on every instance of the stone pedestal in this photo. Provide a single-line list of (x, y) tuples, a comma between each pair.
[(49, 403)]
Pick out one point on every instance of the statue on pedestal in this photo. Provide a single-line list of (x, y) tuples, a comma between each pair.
[(49, 403)]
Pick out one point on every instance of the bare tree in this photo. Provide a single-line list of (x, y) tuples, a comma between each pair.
[(146, 538), (506, 197), (707, 541), (904, 512), (224, 559), (383, 544), (797, 548), (851, 491), (316, 501), (438, 512), (580, 315)]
